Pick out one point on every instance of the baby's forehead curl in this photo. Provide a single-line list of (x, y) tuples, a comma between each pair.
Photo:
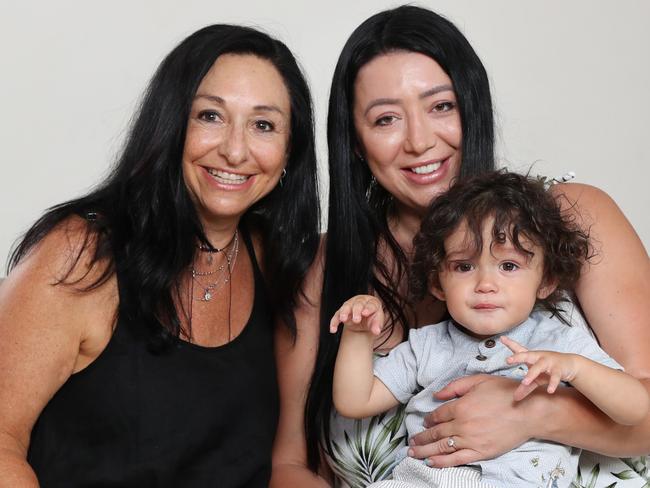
[(468, 238)]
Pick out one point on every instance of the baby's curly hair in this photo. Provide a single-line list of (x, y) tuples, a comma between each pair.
[(521, 208)]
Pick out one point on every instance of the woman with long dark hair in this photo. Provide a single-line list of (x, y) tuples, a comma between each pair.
[(410, 112), (136, 324)]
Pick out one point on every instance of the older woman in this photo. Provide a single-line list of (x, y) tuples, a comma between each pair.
[(410, 112), (136, 328)]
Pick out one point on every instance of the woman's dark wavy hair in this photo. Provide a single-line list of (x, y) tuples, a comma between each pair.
[(141, 221), (522, 209), (358, 208)]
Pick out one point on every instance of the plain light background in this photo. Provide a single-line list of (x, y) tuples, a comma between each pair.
[(570, 81)]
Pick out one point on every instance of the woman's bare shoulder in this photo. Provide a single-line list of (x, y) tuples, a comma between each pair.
[(584, 199), (52, 288), (597, 212), (614, 284), (64, 255)]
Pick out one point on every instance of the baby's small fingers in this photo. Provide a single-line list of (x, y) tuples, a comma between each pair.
[(518, 358), (529, 357), (334, 324), (339, 316), (554, 382), (375, 324), (344, 312), (513, 345), (370, 307), (357, 309), (534, 371)]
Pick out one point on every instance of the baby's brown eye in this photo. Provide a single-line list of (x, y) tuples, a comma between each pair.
[(509, 266)]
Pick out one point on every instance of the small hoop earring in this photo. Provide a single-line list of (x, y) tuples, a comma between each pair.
[(282, 176)]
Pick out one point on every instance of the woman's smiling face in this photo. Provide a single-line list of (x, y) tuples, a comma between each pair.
[(237, 137), (408, 126)]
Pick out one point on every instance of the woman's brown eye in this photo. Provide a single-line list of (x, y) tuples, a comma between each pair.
[(444, 107), (209, 115), (264, 125), (387, 120)]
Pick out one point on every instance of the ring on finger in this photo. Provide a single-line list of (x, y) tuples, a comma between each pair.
[(451, 443)]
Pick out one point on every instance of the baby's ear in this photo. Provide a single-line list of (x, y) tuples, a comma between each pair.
[(546, 288), (437, 292)]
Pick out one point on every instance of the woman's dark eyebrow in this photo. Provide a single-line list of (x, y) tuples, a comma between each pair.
[(435, 90), (380, 101), (212, 98), (221, 101), (393, 101), (268, 108)]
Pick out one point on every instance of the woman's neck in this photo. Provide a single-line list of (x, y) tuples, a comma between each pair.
[(404, 224), (219, 234)]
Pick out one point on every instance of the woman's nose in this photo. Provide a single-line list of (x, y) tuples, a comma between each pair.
[(234, 147), (420, 137)]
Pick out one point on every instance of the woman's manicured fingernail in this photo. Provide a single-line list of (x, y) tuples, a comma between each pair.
[(410, 453), (411, 442), (427, 462)]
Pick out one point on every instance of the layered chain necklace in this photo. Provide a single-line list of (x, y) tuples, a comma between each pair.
[(221, 275)]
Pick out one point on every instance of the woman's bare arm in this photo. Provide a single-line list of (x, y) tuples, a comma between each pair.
[(295, 363), (613, 292), (43, 340)]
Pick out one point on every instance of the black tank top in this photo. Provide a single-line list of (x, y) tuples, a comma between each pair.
[(192, 417)]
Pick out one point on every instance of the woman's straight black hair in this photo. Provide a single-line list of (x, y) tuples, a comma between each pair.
[(358, 206), (141, 222)]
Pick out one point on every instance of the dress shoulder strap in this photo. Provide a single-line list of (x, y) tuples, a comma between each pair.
[(248, 242)]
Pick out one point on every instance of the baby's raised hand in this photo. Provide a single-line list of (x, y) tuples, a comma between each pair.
[(544, 368), (360, 313)]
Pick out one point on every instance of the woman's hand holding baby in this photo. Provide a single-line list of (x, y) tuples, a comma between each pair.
[(481, 416)]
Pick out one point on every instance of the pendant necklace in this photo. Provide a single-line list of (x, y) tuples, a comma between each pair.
[(223, 272)]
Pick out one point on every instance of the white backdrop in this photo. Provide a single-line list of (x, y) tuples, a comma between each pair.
[(571, 84)]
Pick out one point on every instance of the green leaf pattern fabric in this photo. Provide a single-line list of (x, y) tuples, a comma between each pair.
[(596, 471), (363, 451)]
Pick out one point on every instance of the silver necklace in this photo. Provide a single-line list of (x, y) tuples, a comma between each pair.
[(209, 289), (211, 252)]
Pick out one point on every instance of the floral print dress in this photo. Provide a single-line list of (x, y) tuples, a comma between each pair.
[(364, 451)]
